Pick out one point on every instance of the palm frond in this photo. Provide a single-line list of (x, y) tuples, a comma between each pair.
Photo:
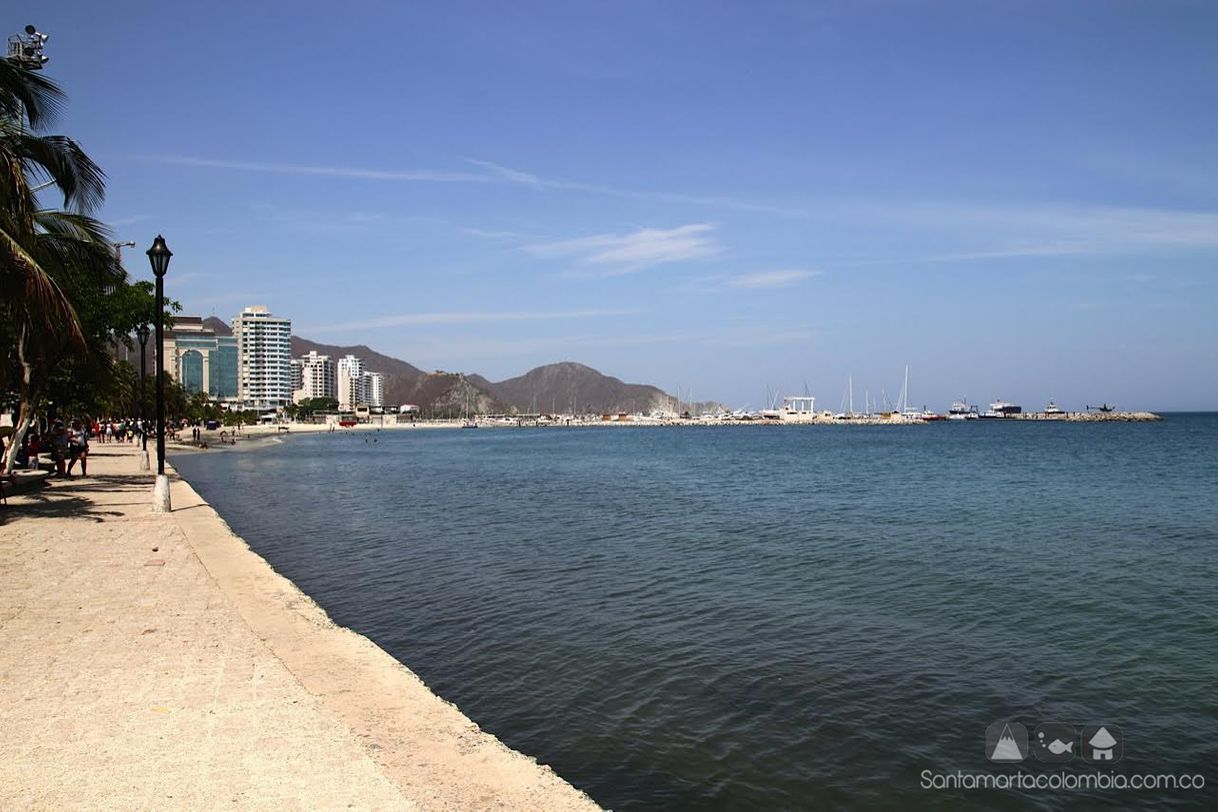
[(60, 160), (29, 94), (39, 297)]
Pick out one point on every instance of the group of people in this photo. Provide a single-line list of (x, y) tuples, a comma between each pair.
[(118, 431), (60, 446), (63, 445)]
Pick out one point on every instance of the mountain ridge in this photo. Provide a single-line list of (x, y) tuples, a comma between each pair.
[(564, 386)]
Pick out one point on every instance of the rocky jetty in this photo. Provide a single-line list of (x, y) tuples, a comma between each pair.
[(1093, 417)]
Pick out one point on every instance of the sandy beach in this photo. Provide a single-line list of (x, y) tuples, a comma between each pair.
[(155, 661)]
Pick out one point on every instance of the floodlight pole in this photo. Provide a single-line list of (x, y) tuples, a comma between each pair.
[(142, 333)]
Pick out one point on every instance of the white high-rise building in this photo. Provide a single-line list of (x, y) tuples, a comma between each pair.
[(350, 382), (374, 389), (317, 377), (264, 358), (297, 377)]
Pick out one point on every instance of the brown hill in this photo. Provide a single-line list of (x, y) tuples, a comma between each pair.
[(561, 387), (439, 392), (568, 386), (218, 326)]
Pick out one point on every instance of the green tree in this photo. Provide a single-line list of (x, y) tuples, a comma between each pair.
[(54, 264)]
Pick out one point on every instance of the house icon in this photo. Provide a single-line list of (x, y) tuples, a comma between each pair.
[(1102, 744)]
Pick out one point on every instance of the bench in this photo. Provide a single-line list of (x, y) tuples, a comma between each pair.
[(22, 482)]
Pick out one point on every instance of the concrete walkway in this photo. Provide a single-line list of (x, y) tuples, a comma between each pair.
[(154, 661)]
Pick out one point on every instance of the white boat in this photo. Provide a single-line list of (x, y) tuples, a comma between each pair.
[(795, 409), (907, 414), (1001, 408), (961, 410), (1053, 408)]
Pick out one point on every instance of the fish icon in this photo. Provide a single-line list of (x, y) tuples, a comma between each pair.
[(1057, 747), (1055, 743)]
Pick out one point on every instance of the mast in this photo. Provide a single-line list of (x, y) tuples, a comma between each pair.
[(851, 384)]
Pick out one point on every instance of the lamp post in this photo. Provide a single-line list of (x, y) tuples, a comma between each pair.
[(158, 256), (141, 333)]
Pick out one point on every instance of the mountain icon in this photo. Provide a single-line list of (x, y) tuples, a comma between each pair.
[(1007, 745)]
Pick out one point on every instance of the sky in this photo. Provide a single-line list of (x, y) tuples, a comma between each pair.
[(1015, 200)]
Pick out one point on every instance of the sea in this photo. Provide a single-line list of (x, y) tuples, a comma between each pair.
[(781, 617)]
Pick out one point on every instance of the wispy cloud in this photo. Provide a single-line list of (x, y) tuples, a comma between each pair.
[(460, 352), (469, 317), (991, 231), (490, 235), (509, 174), (618, 254), (131, 219), (492, 173), (425, 175), (771, 279)]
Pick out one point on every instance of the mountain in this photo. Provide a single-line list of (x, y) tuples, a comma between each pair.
[(561, 387), (218, 326), (569, 386), (441, 392)]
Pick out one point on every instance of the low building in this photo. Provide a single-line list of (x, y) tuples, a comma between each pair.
[(201, 360)]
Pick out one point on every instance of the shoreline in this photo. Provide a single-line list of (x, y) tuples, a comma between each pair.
[(156, 660), (256, 436)]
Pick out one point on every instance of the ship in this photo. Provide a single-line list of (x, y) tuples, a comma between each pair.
[(1001, 408), (1054, 409), (961, 410)]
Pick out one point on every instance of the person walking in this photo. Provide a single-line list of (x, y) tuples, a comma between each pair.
[(58, 442), (78, 448)]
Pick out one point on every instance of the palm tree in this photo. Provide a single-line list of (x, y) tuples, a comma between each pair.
[(51, 261)]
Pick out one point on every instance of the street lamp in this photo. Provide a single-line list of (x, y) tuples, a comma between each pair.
[(141, 332), (158, 256)]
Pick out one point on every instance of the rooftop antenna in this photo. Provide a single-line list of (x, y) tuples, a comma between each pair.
[(27, 50)]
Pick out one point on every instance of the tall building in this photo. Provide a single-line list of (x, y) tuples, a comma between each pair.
[(264, 358), (374, 389), (297, 378), (316, 377), (200, 359), (350, 382)]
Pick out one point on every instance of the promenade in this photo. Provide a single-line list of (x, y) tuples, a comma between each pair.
[(154, 661)]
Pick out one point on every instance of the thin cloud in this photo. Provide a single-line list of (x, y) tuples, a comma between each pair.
[(423, 175), (469, 317), (509, 174), (617, 254), (996, 232), (490, 235), (472, 349), (494, 173), (771, 279)]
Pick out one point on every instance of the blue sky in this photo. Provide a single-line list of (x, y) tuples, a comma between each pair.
[(1018, 200)]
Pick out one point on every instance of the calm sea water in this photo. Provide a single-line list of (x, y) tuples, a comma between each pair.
[(777, 617)]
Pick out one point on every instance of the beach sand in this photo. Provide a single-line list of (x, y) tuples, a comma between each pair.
[(155, 661)]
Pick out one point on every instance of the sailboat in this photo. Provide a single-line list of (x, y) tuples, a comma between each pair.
[(469, 423), (849, 413), (906, 414)]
